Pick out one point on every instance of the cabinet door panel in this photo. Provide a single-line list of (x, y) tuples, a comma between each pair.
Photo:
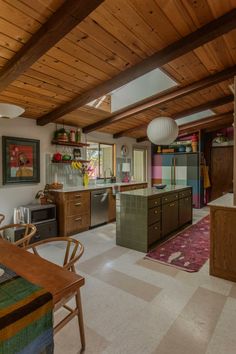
[(185, 210), (154, 233), (170, 217)]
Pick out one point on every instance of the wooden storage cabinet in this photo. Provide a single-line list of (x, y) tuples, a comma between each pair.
[(73, 210)]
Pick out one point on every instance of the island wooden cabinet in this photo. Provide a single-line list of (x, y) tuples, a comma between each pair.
[(149, 215), (222, 238), (73, 212)]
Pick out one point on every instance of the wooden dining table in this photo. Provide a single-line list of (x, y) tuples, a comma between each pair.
[(61, 283)]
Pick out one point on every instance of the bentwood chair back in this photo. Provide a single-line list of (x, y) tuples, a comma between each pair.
[(26, 231), (73, 251), (2, 217)]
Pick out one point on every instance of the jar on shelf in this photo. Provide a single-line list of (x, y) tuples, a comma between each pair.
[(72, 135), (194, 143), (78, 136)]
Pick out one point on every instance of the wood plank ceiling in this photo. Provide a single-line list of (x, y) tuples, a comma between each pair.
[(117, 35)]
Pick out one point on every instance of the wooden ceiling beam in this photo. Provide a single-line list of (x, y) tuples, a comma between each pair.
[(163, 98), (211, 104), (219, 119), (208, 105), (69, 15), (203, 35)]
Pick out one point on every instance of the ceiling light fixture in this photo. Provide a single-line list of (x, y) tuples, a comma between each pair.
[(10, 111), (162, 131)]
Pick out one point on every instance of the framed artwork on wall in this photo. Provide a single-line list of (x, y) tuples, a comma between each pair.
[(21, 160)]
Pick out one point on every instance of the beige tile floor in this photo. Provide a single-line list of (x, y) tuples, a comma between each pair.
[(136, 306)]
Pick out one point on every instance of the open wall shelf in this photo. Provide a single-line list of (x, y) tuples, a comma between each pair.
[(69, 143)]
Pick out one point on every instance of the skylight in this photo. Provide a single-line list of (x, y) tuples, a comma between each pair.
[(150, 84), (195, 117)]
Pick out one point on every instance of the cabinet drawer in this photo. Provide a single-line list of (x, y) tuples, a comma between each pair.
[(80, 196), (154, 202), (154, 215), (154, 233), (77, 207), (186, 193), (169, 198), (77, 223)]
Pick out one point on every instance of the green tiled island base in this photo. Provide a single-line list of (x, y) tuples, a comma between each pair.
[(146, 216)]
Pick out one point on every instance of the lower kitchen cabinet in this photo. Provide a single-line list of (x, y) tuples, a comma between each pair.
[(74, 209), (73, 212), (112, 206)]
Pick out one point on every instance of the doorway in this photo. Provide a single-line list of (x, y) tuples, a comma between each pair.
[(140, 164)]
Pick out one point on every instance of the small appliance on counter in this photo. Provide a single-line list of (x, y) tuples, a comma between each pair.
[(42, 216)]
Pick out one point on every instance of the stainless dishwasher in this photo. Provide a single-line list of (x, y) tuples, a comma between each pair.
[(99, 207)]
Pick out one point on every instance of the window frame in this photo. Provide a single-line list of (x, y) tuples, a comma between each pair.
[(99, 157)]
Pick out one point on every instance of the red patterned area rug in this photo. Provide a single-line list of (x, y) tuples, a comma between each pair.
[(188, 250)]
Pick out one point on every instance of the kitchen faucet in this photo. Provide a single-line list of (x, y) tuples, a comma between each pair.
[(105, 173)]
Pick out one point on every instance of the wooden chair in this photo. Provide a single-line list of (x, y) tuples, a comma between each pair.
[(27, 232), (73, 251), (2, 217)]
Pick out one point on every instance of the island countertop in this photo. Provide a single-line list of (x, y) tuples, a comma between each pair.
[(148, 192), (225, 201)]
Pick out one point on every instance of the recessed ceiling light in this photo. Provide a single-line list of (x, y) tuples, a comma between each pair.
[(10, 111)]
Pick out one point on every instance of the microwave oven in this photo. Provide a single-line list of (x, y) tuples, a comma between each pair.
[(35, 214)]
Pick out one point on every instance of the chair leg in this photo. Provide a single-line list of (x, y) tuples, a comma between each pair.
[(80, 319)]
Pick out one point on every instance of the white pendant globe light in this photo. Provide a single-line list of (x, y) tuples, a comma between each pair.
[(162, 131)]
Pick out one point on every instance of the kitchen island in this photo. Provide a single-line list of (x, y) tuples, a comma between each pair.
[(146, 216)]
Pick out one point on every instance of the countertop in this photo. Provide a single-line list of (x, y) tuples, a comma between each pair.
[(226, 201), (94, 186), (148, 192)]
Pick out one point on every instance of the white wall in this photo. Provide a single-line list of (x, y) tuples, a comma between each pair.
[(15, 195)]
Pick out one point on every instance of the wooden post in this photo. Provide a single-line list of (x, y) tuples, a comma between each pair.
[(234, 181)]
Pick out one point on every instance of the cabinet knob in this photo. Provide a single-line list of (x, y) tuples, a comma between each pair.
[(173, 204), (156, 202), (156, 228), (156, 211), (78, 219), (78, 196), (77, 204)]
